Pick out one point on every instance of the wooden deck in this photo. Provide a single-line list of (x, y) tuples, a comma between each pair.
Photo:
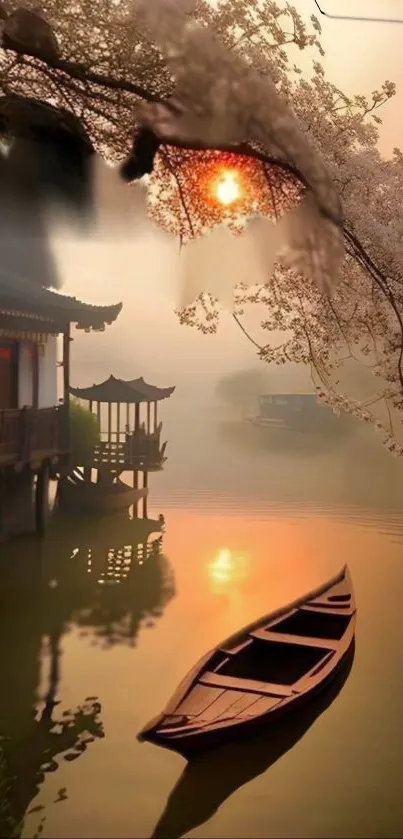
[(30, 436)]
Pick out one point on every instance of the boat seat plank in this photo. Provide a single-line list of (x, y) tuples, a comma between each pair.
[(248, 685), (198, 700), (264, 704), (247, 707), (224, 710), (323, 608), (341, 588), (304, 641), (244, 704), (234, 649), (226, 705)]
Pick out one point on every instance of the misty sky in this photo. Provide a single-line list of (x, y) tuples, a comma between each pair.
[(133, 261)]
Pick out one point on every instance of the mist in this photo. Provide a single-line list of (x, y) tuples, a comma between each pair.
[(128, 258)]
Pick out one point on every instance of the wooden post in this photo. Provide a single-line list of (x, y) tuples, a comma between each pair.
[(87, 467), (24, 445), (118, 424), (97, 472), (42, 499), (35, 376), (66, 384), (66, 363), (137, 416), (155, 415), (109, 422), (3, 532), (145, 485), (135, 486), (148, 417)]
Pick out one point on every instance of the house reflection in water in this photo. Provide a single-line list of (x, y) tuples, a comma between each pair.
[(110, 579), (119, 575)]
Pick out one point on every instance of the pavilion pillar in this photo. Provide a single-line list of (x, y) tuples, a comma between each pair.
[(66, 364), (66, 387), (98, 410), (109, 429), (118, 424), (87, 471), (135, 486), (35, 376), (145, 499), (148, 417), (155, 415), (137, 416)]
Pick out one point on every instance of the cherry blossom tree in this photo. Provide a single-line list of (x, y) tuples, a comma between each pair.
[(92, 60)]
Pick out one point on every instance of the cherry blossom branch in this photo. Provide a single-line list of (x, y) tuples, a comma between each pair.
[(83, 73), (247, 334)]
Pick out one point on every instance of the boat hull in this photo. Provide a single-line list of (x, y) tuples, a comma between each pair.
[(94, 498), (192, 746), (227, 694)]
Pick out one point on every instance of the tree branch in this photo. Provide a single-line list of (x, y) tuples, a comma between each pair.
[(83, 73)]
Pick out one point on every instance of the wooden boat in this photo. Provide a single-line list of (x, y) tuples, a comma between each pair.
[(90, 497), (294, 412), (264, 671)]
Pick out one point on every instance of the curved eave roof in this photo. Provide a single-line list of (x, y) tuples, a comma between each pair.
[(23, 298), (119, 390), (151, 392)]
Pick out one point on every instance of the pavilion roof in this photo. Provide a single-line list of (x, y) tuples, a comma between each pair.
[(120, 390), (49, 310)]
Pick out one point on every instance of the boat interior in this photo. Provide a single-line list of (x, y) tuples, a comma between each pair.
[(267, 664), (261, 673)]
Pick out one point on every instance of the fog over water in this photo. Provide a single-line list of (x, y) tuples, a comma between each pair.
[(254, 518)]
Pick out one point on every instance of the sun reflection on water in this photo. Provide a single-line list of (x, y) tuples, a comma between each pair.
[(227, 569)]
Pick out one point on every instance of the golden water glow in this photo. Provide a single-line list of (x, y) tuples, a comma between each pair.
[(228, 188), (222, 567), (227, 568)]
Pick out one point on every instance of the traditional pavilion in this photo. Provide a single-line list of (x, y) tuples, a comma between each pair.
[(130, 434), (34, 427)]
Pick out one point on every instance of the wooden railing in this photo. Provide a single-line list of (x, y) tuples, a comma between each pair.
[(134, 450), (28, 434), (144, 454)]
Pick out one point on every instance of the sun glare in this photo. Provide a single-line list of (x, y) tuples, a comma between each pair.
[(227, 569), (227, 188)]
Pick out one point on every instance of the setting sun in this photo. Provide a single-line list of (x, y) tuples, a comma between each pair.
[(227, 188)]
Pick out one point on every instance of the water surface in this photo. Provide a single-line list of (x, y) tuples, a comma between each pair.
[(251, 523)]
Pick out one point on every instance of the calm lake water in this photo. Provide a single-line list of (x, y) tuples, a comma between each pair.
[(252, 521)]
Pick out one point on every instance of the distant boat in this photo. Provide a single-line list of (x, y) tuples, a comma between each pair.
[(79, 495), (263, 672), (293, 410)]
